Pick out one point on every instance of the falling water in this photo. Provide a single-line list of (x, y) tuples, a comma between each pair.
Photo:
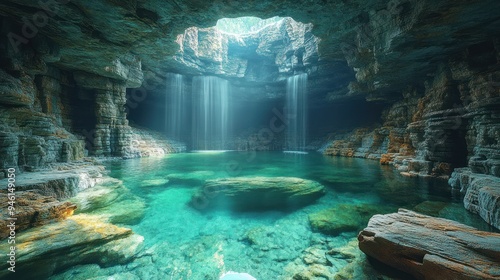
[(176, 107), (296, 108), (210, 113)]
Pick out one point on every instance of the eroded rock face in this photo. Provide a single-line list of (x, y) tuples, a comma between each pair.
[(261, 56), (431, 248), (32, 210), (257, 193)]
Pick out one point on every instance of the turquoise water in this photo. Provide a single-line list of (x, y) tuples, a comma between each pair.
[(186, 243)]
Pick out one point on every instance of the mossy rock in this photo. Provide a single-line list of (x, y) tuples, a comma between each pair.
[(345, 217)]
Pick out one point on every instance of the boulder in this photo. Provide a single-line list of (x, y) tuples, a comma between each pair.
[(257, 193), (431, 248)]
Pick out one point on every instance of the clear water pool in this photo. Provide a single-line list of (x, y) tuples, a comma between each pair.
[(185, 243)]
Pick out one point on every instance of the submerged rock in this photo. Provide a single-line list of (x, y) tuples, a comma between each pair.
[(431, 248), (432, 208), (196, 177), (344, 217), (257, 193), (112, 202)]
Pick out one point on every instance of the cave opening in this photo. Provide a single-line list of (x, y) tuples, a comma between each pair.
[(245, 70)]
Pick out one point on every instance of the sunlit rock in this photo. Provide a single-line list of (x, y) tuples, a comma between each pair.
[(112, 202), (32, 210), (80, 239)]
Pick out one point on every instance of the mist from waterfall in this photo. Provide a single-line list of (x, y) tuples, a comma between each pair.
[(210, 122), (296, 111), (176, 105)]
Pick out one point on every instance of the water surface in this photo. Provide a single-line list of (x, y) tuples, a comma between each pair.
[(186, 243)]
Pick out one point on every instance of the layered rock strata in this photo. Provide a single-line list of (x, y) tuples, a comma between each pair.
[(431, 248), (80, 239), (40, 197), (481, 193)]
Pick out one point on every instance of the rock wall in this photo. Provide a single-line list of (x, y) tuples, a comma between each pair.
[(49, 114), (481, 193), (35, 109), (452, 121)]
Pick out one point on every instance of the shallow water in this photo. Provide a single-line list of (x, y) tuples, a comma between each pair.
[(185, 243)]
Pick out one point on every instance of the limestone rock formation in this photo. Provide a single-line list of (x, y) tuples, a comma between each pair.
[(431, 248), (40, 196), (80, 239), (257, 193), (481, 193), (285, 45), (32, 210)]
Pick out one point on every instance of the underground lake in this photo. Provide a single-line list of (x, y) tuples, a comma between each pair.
[(186, 239), (243, 140)]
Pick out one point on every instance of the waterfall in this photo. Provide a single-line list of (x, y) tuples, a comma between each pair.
[(296, 110), (176, 107), (210, 113)]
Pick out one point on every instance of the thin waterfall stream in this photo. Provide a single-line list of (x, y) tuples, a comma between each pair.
[(210, 125), (296, 110), (176, 107)]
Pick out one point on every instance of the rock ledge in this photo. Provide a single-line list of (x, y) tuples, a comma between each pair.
[(431, 248)]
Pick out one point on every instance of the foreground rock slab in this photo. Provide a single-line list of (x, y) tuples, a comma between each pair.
[(32, 210), (257, 193), (431, 248), (80, 239)]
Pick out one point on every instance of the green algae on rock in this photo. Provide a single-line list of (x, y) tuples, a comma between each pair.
[(257, 193), (344, 217)]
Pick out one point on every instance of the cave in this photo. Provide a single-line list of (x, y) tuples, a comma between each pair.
[(242, 140)]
